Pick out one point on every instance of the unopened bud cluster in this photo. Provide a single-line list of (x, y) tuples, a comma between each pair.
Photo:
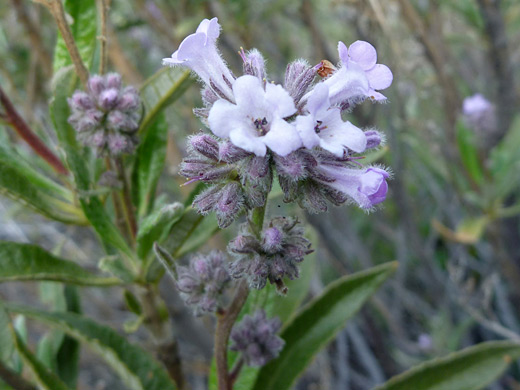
[(202, 283), (107, 115), (255, 337), (272, 256)]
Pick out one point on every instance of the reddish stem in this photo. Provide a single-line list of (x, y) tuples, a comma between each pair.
[(23, 129)]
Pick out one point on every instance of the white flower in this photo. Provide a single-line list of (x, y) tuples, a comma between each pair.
[(256, 122)]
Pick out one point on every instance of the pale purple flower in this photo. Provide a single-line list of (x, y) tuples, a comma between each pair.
[(476, 105), (199, 52), (359, 75), (256, 122), (323, 126), (367, 187)]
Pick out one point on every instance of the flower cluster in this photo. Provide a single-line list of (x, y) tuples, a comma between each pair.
[(202, 283), (255, 337), (272, 255), (295, 129), (107, 115)]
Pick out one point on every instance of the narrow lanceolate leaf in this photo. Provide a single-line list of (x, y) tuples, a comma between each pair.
[(92, 206), (468, 152), (6, 336), (149, 164), (30, 262), (136, 367), (162, 89), (470, 369), (82, 19), (45, 378), (317, 324)]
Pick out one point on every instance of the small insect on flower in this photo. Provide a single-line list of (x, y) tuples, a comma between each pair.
[(326, 69)]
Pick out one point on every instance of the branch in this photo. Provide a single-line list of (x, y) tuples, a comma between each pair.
[(23, 129), (13, 379)]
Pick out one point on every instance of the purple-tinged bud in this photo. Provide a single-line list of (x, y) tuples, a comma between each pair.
[(292, 166), (257, 168), (230, 204), (374, 186), (108, 99), (298, 78), (96, 84), (208, 96), (113, 80), (207, 199), (81, 101), (244, 244), (205, 145), (128, 101), (273, 240), (255, 338), (230, 154), (254, 63), (118, 143), (374, 139), (98, 139), (202, 284)]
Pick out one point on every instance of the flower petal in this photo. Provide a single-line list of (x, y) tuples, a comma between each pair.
[(305, 127), (211, 28), (363, 54), (191, 47), (319, 100), (248, 92), (223, 117), (340, 135), (282, 138), (380, 77), (245, 140), (343, 52), (279, 100)]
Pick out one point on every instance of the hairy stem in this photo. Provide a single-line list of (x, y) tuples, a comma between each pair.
[(118, 208), (226, 319), (22, 128), (225, 322), (103, 14), (57, 11)]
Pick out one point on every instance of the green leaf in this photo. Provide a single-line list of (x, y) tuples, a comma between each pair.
[(468, 152), (6, 337), (149, 164), (472, 368), (136, 367), (30, 262), (92, 206), (317, 324), (504, 161), (23, 184), (156, 226), (83, 27), (45, 378), (162, 89)]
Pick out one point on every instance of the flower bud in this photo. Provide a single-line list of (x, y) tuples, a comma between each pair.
[(202, 283), (96, 84), (108, 98), (255, 338), (254, 64), (205, 145), (374, 138), (113, 80), (230, 204), (298, 78), (230, 154)]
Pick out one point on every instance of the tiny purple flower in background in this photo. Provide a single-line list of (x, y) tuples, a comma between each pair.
[(324, 126), (479, 113), (256, 122), (202, 283), (106, 117), (255, 338), (199, 52)]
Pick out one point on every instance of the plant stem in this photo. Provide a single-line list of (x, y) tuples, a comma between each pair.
[(57, 11), (235, 371), (103, 13), (127, 199), (226, 319), (225, 322), (22, 128), (118, 208), (13, 379)]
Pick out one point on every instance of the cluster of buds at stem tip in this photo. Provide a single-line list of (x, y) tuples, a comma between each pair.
[(203, 282), (256, 339), (296, 130), (106, 116), (270, 256)]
